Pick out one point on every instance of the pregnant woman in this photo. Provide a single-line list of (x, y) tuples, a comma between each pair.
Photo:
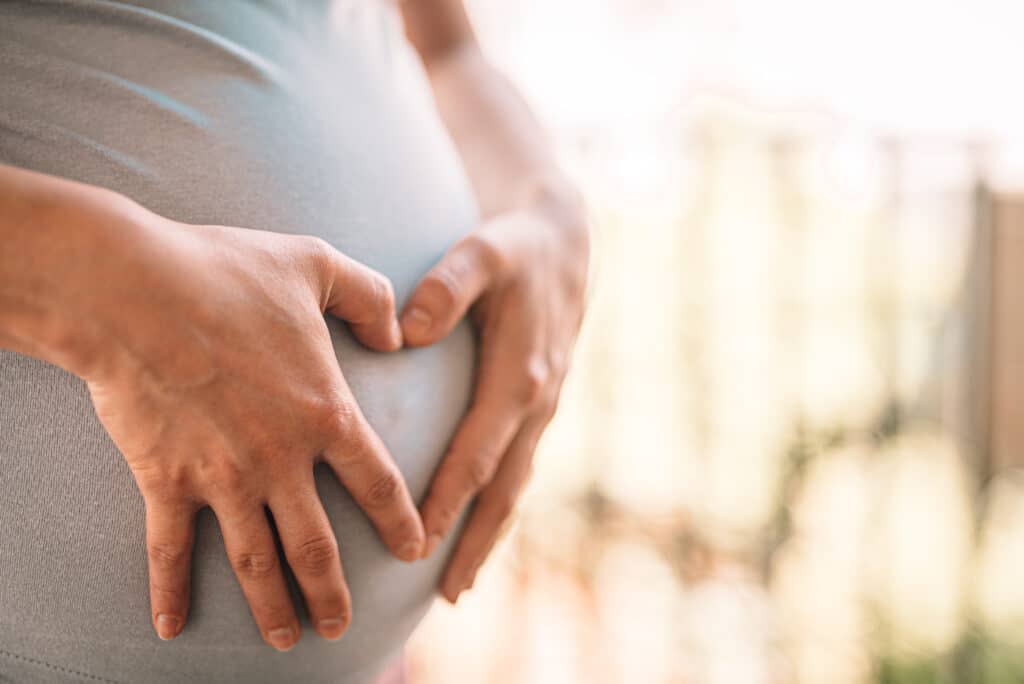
[(241, 407)]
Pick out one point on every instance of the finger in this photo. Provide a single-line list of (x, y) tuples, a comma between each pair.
[(506, 391), (445, 294), (312, 552), (363, 464), (170, 535), (362, 297), (250, 547), (468, 466), (493, 510)]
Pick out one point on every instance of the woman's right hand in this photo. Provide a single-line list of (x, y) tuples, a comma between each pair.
[(209, 362)]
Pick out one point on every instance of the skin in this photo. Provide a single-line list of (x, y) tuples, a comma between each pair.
[(158, 318), (520, 276)]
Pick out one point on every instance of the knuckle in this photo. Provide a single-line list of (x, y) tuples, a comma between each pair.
[(317, 256), (319, 249), (262, 443), (239, 505), (382, 304), (255, 565), (336, 418), (479, 471), (166, 557), (176, 482), (384, 490), (316, 556), (228, 475), (534, 380), (168, 486)]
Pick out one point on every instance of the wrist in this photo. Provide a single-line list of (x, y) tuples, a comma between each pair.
[(61, 237)]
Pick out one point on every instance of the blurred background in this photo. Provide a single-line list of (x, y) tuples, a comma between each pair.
[(788, 450)]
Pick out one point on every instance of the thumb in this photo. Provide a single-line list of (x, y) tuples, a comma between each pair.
[(445, 294), (364, 299)]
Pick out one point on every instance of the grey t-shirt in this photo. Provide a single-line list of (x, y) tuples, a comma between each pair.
[(296, 116)]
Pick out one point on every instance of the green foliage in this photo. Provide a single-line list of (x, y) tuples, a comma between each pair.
[(910, 671)]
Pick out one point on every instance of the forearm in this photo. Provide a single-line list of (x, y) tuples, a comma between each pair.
[(49, 227), (506, 151)]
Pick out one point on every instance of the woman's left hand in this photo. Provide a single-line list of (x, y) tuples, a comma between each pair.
[(521, 276)]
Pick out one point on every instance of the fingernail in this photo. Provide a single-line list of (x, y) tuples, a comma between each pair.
[(167, 626), (410, 550), (452, 595), (465, 585), (451, 589), (282, 638), (331, 628), (432, 541), (416, 321)]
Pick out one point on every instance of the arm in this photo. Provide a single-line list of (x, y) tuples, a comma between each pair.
[(506, 151), (520, 275), (156, 317)]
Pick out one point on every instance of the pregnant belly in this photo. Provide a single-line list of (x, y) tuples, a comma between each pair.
[(252, 129)]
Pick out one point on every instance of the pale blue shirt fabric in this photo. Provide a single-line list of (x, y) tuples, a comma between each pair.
[(304, 116)]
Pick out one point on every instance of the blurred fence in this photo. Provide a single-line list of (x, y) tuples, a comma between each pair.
[(774, 458)]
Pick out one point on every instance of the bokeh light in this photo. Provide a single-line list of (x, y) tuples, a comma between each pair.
[(759, 471)]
